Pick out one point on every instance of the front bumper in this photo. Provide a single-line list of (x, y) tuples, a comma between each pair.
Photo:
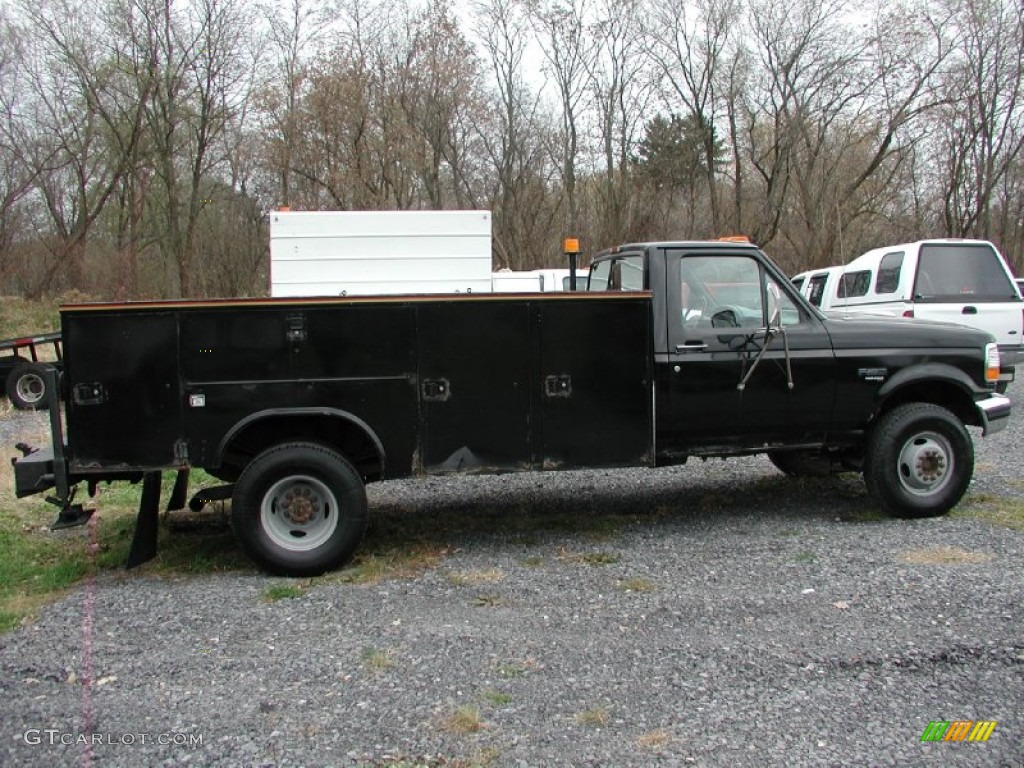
[(994, 412)]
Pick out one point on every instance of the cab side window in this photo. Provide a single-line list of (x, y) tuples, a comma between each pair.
[(731, 292), (854, 284), (816, 290), (889, 272)]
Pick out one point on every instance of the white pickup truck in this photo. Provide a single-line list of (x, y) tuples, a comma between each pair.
[(957, 281)]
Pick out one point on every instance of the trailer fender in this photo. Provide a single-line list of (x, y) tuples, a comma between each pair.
[(345, 432)]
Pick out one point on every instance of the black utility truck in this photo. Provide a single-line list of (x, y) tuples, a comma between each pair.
[(677, 350)]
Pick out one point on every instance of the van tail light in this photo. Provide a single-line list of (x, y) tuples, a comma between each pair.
[(992, 363), (908, 313)]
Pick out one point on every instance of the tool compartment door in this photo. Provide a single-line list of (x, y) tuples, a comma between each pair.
[(596, 395), (121, 374), (475, 365)]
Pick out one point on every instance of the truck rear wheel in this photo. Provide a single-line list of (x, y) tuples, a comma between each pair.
[(26, 387), (299, 509), (920, 460)]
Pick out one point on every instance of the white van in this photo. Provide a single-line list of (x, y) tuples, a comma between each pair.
[(958, 281)]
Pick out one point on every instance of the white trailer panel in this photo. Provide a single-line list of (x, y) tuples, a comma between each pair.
[(330, 253)]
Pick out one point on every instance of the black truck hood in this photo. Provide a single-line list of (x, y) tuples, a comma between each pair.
[(886, 332)]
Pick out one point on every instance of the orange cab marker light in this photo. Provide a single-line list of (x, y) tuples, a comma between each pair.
[(572, 245), (734, 239)]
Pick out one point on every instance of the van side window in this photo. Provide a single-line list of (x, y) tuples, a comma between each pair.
[(854, 284), (889, 272)]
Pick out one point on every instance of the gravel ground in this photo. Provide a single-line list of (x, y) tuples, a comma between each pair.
[(746, 622)]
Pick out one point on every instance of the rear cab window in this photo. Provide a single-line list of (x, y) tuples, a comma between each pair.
[(623, 273), (949, 272)]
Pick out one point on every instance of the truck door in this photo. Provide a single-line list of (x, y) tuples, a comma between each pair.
[(729, 379)]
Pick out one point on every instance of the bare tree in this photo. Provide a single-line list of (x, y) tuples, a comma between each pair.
[(293, 30), (201, 67), (513, 139), (620, 80), (562, 31), (17, 174), (983, 123), (689, 43)]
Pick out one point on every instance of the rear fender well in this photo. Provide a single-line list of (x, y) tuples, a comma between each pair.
[(345, 432)]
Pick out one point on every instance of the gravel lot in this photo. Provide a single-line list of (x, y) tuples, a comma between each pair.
[(747, 622)]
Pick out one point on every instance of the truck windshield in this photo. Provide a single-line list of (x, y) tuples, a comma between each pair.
[(954, 272)]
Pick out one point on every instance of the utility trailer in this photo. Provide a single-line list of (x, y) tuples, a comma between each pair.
[(22, 369), (676, 350)]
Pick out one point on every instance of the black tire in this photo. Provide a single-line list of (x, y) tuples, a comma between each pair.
[(26, 387), (919, 461), (283, 485), (802, 463)]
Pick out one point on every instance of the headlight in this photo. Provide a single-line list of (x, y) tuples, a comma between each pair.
[(992, 362)]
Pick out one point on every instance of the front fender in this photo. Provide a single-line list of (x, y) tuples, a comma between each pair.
[(931, 373)]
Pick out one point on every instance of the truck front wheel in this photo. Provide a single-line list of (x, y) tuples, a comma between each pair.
[(919, 461), (299, 509), (26, 387)]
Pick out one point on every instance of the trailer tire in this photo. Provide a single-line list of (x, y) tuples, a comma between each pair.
[(26, 387), (919, 461), (299, 509)]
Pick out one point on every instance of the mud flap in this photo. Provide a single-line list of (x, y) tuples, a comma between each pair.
[(179, 494), (144, 542)]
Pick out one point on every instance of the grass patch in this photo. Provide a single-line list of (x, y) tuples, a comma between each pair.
[(496, 698), (466, 719), (513, 669), (637, 585), (805, 557), (40, 565), (487, 601), (654, 740), (589, 558), (377, 660), (22, 317), (944, 556), (276, 592), (1003, 511), (598, 717)]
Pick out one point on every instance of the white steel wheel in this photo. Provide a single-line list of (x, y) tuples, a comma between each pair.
[(299, 513), (299, 509), (26, 387), (926, 464)]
